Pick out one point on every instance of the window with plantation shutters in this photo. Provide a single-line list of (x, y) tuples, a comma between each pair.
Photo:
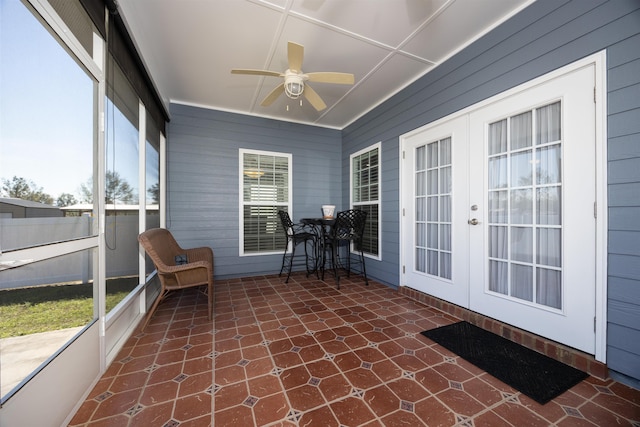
[(265, 185), (365, 195)]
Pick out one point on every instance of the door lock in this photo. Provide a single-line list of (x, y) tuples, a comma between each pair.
[(473, 221)]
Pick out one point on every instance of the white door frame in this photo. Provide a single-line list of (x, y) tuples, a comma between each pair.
[(600, 93)]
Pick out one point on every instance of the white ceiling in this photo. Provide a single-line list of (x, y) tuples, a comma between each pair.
[(190, 46)]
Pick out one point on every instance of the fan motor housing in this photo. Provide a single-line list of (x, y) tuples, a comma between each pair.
[(293, 84)]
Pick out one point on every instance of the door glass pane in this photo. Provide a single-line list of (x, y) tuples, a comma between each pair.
[(521, 171), (498, 277), (549, 289), (549, 242), (549, 123), (498, 172), (432, 208), (548, 206), (521, 244), (522, 282), (498, 205), (498, 137), (549, 162), (432, 182), (432, 236), (445, 180), (521, 206), (521, 131), (445, 151), (433, 173), (421, 209), (498, 242), (445, 209), (525, 214)]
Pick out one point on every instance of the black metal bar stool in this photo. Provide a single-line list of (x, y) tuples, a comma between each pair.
[(347, 229), (295, 234)]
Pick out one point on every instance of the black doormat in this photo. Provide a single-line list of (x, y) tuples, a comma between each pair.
[(534, 374)]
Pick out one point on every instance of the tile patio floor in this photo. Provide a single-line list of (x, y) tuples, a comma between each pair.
[(306, 354)]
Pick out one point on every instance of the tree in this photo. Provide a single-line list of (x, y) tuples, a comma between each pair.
[(154, 193), (66, 199), (117, 190), (21, 188)]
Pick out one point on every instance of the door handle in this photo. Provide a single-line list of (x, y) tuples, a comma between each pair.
[(473, 221)]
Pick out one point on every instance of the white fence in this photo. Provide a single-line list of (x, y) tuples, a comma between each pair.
[(121, 253)]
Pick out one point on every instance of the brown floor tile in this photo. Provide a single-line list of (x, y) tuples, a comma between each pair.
[(401, 419), (352, 411), (518, 415), (382, 400), (319, 417), (306, 354), (305, 397), (264, 386), (156, 415), (159, 393), (270, 409), (335, 387)]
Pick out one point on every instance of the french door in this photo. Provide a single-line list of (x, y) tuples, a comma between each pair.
[(499, 209), (437, 251)]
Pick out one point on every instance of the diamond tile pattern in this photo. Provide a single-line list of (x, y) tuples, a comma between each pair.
[(306, 354)]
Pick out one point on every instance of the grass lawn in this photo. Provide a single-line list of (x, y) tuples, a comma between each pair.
[(48, 308)]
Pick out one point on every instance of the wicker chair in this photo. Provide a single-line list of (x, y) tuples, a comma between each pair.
[(177, 268)]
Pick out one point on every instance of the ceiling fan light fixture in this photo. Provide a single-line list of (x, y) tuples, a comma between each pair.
[(293, 86)]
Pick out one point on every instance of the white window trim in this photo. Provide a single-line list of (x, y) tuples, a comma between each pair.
[(241, 203), (372, 147)]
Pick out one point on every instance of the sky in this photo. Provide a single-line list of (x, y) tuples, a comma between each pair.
[(46, 110)]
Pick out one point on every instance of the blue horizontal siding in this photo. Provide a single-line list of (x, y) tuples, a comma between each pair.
[(203, 175)]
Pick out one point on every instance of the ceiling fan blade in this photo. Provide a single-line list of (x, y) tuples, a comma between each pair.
[(295, 55), (313, 98), (257, 72), (330, 77), (273, 95)]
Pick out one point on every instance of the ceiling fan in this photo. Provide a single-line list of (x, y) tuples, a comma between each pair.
[(294, 84)]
